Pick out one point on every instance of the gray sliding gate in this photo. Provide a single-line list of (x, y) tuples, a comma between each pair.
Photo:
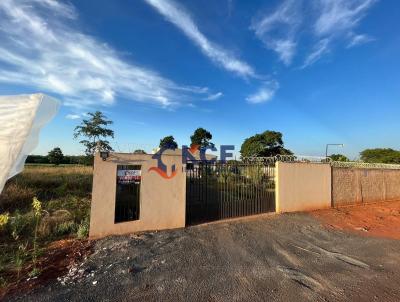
[(218, 190)]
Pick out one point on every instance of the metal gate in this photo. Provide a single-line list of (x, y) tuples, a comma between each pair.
[(217, 190)]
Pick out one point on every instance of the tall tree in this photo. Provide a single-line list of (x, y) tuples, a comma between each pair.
[(338, 157), (381, 155), (266, 144), (168, 142), (202, 137), (95, 132), (55, 156)]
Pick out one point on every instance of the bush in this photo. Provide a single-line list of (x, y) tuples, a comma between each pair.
[(50, 223), (66, 228), (21, 224), (83, 229)]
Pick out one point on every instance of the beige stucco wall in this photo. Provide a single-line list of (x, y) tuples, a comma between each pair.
[(302, 187), (356, 186), (162, 201)]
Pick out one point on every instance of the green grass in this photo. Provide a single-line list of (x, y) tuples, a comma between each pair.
[(65, 194)]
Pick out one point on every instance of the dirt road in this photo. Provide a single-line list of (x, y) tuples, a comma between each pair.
[(289, 257), (377, 219)]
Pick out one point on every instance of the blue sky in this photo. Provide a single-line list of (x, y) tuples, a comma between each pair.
[(319, 71)]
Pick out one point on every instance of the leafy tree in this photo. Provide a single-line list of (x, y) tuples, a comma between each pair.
[(55, 156), (338, 157), (95, 131), (78, 160), (37, 159), (266, 144), (168, 142), (202, 137), (139, 151), (381, 155)]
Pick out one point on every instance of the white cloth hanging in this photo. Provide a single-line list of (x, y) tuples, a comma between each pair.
[(21, 119)]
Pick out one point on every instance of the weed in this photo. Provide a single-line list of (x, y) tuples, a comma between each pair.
[(4, 220), (66, 228), (3, 282), (37, 210), (63, 210), (34, 272), (20, 257), (50, 223), (83, 229), (20, 224)]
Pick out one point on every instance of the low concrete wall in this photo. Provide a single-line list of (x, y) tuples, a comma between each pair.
[(302, 187), (162, 201), (356, 186)]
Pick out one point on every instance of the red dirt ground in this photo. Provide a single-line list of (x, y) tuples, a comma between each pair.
[(378, 219), (58, 256)]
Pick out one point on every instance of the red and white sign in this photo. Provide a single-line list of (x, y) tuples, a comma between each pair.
[(128, 176)]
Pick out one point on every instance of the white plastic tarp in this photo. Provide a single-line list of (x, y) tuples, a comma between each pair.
[(21, 119)]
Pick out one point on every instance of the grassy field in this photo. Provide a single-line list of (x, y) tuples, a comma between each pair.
[(26, 230)]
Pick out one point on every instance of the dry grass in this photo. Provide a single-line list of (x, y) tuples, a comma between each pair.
[(65, 193), (46, 183)]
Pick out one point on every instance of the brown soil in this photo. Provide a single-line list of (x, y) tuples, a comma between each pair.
[(58, 257), (378, 219)]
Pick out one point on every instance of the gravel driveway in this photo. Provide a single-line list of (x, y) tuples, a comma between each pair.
[(290, 257)]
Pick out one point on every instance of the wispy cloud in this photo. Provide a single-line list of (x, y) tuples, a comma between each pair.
[(177, 15), (327, 22), (42, 48), (338, 16), (73, 116), (214, 97), (278, 29), (321, 48), (264, 94), (338, 19), (356, 40)]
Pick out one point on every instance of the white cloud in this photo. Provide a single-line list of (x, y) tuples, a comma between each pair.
[(42, 49), (178, 16), (264, 94), (213, 97), (72, 116), (278, 29), (356, 40), (324, 21), (321, 48), (340, 15)]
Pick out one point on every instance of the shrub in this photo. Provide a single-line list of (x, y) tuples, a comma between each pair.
[(20, 224), (66, 228), (49, 223), (83, 229), (254, 173)]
